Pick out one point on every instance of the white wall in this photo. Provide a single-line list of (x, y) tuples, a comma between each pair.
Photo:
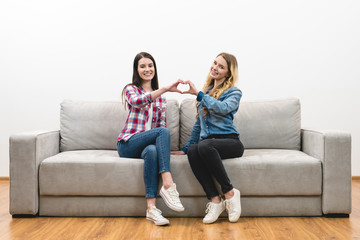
[(77, 49)]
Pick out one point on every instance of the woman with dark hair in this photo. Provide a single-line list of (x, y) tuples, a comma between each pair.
[(145, 134), (214, 136)]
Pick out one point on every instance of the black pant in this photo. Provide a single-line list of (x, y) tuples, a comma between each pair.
[(205, 161)]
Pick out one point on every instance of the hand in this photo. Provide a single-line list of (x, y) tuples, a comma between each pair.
[(177, 153), (173, 87), (192, 90)]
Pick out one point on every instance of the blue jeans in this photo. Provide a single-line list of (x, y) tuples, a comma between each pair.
[(154, 147)]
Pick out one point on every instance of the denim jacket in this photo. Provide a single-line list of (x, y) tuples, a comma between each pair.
[(219, 119)]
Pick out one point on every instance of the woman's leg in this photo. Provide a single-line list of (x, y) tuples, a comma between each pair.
[(167, 179), (150, 171), (157, 154), (136, 144), (202, 173), (162, 143), (142, 145), (160, 137), (213, 150)]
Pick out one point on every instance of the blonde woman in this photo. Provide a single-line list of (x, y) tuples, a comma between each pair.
[(214, 136)]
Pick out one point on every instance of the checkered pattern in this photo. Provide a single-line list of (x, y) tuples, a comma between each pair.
[(139, 103)]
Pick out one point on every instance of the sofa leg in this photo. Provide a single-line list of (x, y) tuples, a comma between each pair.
[(24, 216), (336, 215)]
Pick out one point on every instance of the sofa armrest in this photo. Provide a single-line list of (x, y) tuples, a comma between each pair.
[(334, 150), (27, 150)]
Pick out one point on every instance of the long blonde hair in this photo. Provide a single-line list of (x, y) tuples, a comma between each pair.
[(228, 83)]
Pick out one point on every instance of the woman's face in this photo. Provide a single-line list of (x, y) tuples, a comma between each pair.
[(219, 69), (146, 69)]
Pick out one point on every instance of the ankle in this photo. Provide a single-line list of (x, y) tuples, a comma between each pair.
[(229, 194), (167, 180), (168, 185), (216, 199), (150, 202)]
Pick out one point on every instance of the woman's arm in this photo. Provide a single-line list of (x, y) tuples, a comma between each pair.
[(171, 88), (194, 136), (223, 107), (140, 100), (136, 99)]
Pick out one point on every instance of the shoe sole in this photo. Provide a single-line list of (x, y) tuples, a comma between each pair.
[(216, 218), (157, 223), (210, 222), (172, 207)]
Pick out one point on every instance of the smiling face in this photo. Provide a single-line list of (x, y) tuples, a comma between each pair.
[(219, 69), (146, 69)]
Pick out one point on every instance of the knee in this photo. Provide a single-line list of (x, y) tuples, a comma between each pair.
[(241, 149), (150, 153), (164, 131)]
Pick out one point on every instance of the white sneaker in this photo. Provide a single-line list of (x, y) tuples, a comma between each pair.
[(171, 198), (233, 206), (213, 211), (154, 215)]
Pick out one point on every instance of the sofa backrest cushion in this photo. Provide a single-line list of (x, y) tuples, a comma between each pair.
[(261, 124), (86, 125)]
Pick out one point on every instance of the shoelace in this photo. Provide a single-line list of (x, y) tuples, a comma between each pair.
[(228, 205), (174, 195), (209, 207), (157, 213)]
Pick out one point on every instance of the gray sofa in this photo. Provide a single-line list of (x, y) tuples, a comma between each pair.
[(76, 171)]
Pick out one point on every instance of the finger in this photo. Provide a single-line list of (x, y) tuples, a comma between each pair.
[(176, 90)]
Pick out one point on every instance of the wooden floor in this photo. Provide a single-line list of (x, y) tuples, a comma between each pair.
[(180, 228)]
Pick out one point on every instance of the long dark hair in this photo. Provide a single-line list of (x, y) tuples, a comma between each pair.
[(136, 79)]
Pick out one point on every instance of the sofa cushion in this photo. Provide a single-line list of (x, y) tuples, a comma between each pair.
[(88, 125), (261, 124), (91, 172), (276, 172), (260, 172)]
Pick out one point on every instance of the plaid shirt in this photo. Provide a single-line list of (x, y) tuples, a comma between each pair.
[(139, 103)]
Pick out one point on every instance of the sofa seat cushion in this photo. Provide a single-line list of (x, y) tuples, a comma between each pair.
[(260, 172), (276, 172), (91, 172)]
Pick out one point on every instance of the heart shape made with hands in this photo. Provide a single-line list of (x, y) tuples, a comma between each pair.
[(183, 87)]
